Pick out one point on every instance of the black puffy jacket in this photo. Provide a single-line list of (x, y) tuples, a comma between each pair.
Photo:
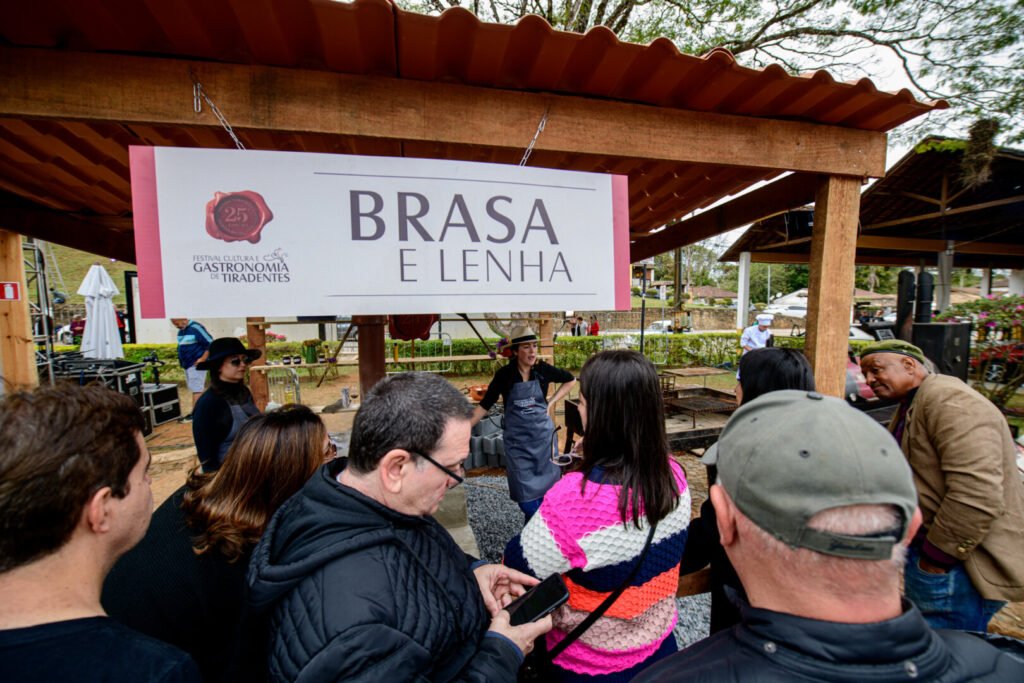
[(776, 647), (360, 592)]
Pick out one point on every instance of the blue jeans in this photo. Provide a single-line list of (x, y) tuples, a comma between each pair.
[(948, 600), (530, 508)]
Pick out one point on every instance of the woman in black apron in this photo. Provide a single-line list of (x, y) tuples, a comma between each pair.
[(226, 405), (529, 436)]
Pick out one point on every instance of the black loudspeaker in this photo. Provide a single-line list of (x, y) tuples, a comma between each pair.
[(925, 289), (905, 288), (945, 344)]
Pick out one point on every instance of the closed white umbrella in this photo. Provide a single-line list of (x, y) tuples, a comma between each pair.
[(101, 338)]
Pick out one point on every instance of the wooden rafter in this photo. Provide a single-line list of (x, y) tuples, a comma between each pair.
[(948, 212), (895, 259), (932, 245), (147, 90), (100, 236), (794, 190)]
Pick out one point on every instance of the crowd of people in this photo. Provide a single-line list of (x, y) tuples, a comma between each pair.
[(279, 561)]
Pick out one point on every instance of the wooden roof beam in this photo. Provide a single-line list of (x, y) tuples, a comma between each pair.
[(948, 212), (794, 190), (803, 258), (60, 84), (27, 218), (933, 245), (897, 259)]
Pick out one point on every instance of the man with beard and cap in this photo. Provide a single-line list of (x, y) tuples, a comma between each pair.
[(815, 506), (967, 559), (362, 583)]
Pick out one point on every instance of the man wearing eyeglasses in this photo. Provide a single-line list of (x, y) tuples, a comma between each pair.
[(361, 583)]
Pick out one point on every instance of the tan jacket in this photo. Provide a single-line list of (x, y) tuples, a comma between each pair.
[(969, 491)]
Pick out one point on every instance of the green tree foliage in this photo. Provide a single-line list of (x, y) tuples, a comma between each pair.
[(969, 52), (795, 277), (880, 279), (758, 281)]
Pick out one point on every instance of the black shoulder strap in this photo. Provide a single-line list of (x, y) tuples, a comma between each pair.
[(573, 635)]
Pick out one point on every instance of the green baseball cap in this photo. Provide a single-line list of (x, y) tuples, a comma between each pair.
[(788, 455), (894, 346)]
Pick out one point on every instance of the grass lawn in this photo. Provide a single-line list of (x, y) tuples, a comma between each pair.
[(74, 265)]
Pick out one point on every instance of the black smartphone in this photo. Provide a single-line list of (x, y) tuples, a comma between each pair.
[(539, 601)]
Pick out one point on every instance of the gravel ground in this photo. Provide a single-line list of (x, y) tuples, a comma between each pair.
[(495, 519)]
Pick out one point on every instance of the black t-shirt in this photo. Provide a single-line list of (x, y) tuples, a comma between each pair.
[(195, 602), (509, 375), (90, 650)]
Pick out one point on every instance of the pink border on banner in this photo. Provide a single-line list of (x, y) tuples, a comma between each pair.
[(147, 230), (620, 243)]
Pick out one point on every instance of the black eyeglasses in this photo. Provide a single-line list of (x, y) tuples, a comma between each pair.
[(457, 478), (238, 361)]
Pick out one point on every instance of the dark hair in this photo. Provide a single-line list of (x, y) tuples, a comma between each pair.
[(271, 457), (59, 445), (774, 369), (626, 433), (220, 385), (409, 411)]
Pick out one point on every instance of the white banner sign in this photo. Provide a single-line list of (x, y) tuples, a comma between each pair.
[(226, 233)]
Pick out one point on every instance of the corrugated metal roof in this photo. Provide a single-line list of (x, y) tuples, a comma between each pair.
[(82, 167)]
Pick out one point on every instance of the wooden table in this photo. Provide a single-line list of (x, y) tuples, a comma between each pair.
[(687, 373)]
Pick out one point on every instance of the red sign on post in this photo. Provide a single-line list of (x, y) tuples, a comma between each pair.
[(10, 291)]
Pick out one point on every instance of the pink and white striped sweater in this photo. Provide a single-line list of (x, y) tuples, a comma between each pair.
[(582, 537)]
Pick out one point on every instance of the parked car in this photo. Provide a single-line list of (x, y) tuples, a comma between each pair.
[(790, 310), (343, 327), (999, 361), (659, 327), (858, 334)]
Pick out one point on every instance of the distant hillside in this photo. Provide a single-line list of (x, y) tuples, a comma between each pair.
[(75, 264)]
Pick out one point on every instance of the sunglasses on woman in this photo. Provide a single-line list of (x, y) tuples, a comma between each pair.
[(239, 361)]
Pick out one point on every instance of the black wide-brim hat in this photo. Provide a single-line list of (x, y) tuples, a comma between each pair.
[(223, 347)]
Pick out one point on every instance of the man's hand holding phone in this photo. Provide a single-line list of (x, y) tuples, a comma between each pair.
[(528, 616), (500, 585), (523, 636)]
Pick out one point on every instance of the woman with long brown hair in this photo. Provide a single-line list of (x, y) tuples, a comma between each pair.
[(184, 583), (594, 527)]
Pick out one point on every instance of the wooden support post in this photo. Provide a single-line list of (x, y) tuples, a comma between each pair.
[(546, 333), (371, 351), (830, 290), (17, 356), (257, 338)]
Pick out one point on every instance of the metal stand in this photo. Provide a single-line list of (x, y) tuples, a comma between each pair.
[(39, 306)]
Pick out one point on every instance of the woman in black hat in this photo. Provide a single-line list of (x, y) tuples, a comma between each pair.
[(529, 437), (225, 406)]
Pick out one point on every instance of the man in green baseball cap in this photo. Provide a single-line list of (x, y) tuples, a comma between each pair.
[(815, 505), (968, 557)]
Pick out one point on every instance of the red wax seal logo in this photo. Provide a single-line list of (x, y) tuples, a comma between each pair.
[(237, 216)]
